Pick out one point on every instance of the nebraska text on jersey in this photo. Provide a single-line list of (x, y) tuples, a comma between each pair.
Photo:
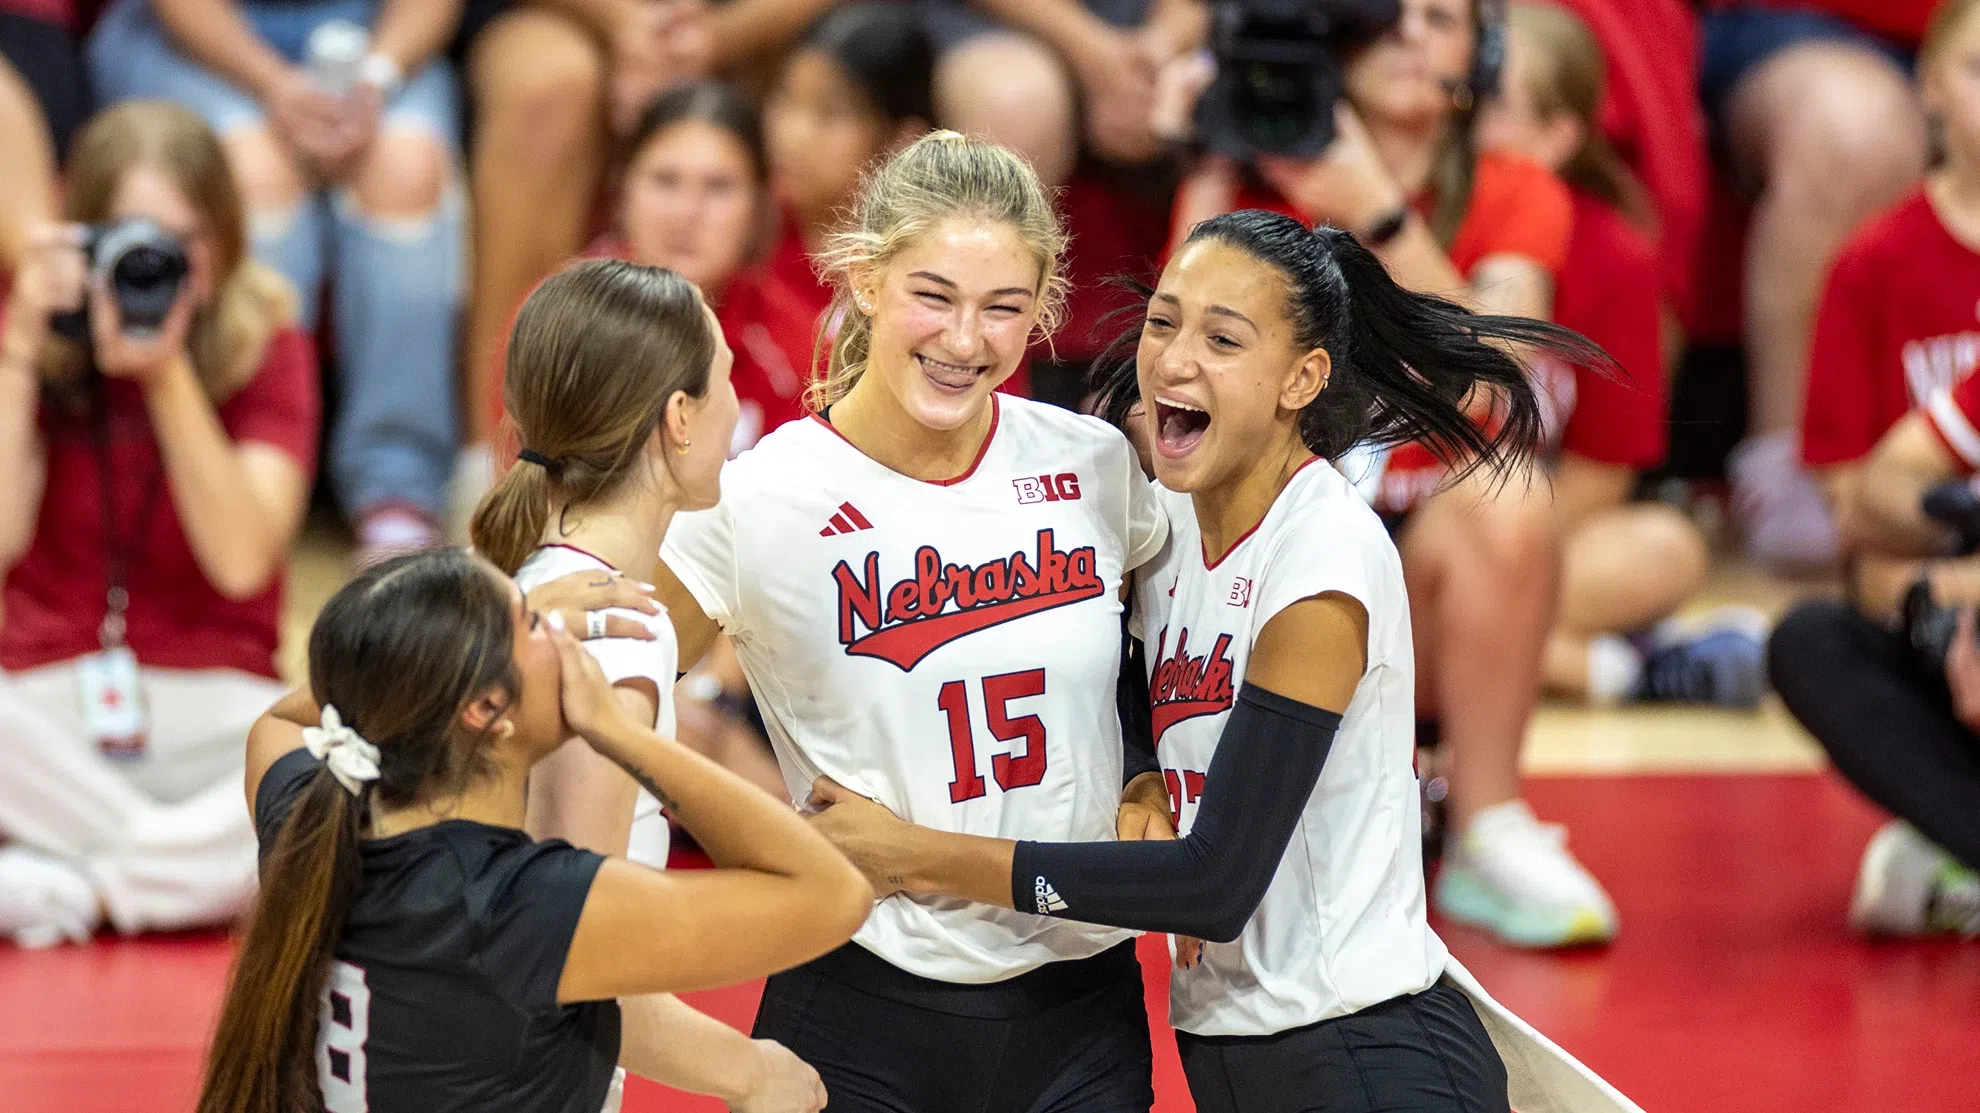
[(910, 619), (1183, 686)]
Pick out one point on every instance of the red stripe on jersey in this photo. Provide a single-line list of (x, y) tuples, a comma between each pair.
[(858, 519), (1211, 565), (840, 525), (996, 412)]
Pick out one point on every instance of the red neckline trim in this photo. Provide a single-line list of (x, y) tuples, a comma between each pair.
[(996, 417), (1211, 565), (581, 552)]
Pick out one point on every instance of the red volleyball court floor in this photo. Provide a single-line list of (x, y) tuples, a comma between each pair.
[(1736, 987)]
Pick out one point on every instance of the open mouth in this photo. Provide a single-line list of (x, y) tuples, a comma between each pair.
[(957, 377), (1178, 426)]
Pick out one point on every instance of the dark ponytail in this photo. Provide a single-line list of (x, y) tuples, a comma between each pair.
[(1406, 366), (400, 651)]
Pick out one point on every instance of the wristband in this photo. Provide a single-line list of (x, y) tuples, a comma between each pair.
[(382, 73), (1384, 231)]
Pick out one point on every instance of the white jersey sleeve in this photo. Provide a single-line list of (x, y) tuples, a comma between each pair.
[(1147, 524), (700, 549), (1334, 546)]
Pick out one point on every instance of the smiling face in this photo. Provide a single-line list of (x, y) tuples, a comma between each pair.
[(952, 313), (1222, 376)]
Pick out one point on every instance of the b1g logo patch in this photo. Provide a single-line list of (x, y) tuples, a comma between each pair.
[(1063, 487)]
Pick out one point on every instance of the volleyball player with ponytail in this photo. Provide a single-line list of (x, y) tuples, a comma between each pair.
[(1282, 686), (413, 949)]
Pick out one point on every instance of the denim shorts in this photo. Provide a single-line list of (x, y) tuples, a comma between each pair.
[(131, 55), (1734, 41), (950, 23)]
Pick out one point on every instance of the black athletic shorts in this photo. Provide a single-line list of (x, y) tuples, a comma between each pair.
[(1069, 1037), (1425, 1053)]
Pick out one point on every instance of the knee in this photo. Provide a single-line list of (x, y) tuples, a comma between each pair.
[(268, 177), (539, 76), (404, 175), (1511, 534), (1801, 648), (1015, 90), (1663, 539), (1853, 139)]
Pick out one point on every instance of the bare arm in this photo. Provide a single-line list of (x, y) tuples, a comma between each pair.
[(240, 505), (1513, 286), (742, 30), (780, 895), (1884, 506), (410, 32), (216, 35), (23, 457), (580, 796), (670, 1042), (693, 629)]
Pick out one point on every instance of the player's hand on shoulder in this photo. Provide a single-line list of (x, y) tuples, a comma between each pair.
[(576, 595), (863, 830), (592, 710), (783, 1083)]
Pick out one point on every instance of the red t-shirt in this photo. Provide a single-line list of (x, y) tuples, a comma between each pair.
[(1652, 117), (63, 12), (1900, 318), (1608, 293), (1903, 20), (54, 596)]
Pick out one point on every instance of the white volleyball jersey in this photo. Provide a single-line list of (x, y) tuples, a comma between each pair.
[(1342, 924), (624, 659), (949, 649)]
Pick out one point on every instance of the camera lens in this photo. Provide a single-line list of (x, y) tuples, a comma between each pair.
[(144, 267)]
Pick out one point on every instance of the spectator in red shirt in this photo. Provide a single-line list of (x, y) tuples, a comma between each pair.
[(1898, 318), (1481, 557), (1625, 566), (691, 198), (1811, 104), (158, 480)]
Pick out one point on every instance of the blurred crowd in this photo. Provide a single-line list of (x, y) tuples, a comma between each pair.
[(365, 190)]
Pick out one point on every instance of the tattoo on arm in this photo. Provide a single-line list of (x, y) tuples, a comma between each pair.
[(646, 782)]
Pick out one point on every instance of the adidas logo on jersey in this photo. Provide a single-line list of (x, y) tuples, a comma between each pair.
[(1183, 686), (909, 619), (1048, 897), (847, 520)]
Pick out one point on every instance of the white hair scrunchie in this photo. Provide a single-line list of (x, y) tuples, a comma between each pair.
[(350, 759)]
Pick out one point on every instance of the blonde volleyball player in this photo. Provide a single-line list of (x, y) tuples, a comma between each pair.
[(924, 585), (1276, 626), (618, 383)]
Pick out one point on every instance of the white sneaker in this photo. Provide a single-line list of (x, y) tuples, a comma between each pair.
[(1908, 886), (1777, 506), (44, 900), (1513, 876)]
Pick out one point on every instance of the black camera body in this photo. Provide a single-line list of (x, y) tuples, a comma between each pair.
[(142, 266), (1279, 72), (1929, 625)]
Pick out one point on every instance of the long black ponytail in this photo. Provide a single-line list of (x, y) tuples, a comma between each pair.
[(1406, 366)]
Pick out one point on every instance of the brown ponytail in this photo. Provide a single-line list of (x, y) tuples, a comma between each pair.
[(597, 352), (401, 652)]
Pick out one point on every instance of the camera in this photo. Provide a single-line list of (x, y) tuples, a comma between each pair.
[(1928, 625), (1280, 72), (142, 266)]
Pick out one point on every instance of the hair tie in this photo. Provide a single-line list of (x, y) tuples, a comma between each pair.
[(532, 456), (350, 759)]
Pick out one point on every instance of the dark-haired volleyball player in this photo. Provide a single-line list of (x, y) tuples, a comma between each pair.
[(413, 950), (1276, 628)]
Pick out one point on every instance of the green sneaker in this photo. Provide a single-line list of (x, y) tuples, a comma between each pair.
[(1909, 887)]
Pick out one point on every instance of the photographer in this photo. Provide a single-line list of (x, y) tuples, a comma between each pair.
[(1481, 556), (159, 430), (1898, 709)]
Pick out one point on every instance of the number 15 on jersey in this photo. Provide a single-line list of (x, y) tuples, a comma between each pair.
[(1019, 767)]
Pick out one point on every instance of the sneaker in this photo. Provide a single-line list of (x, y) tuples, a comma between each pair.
[(44, 900), (1786, 520), (1907, 886), (1719, 658), (393, 530), (1513, 876)]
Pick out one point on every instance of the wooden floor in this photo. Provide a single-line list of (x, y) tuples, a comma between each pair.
[(1735, 986)]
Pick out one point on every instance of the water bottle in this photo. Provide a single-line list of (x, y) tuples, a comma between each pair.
[(335, 54)]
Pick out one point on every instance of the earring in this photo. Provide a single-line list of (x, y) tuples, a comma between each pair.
[(865, 306), (683, 449)]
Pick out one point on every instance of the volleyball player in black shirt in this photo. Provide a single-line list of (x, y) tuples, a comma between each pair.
[(413, 949)]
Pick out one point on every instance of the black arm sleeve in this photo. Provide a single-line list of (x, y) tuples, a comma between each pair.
[(1131, 700), (1209, 883)]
